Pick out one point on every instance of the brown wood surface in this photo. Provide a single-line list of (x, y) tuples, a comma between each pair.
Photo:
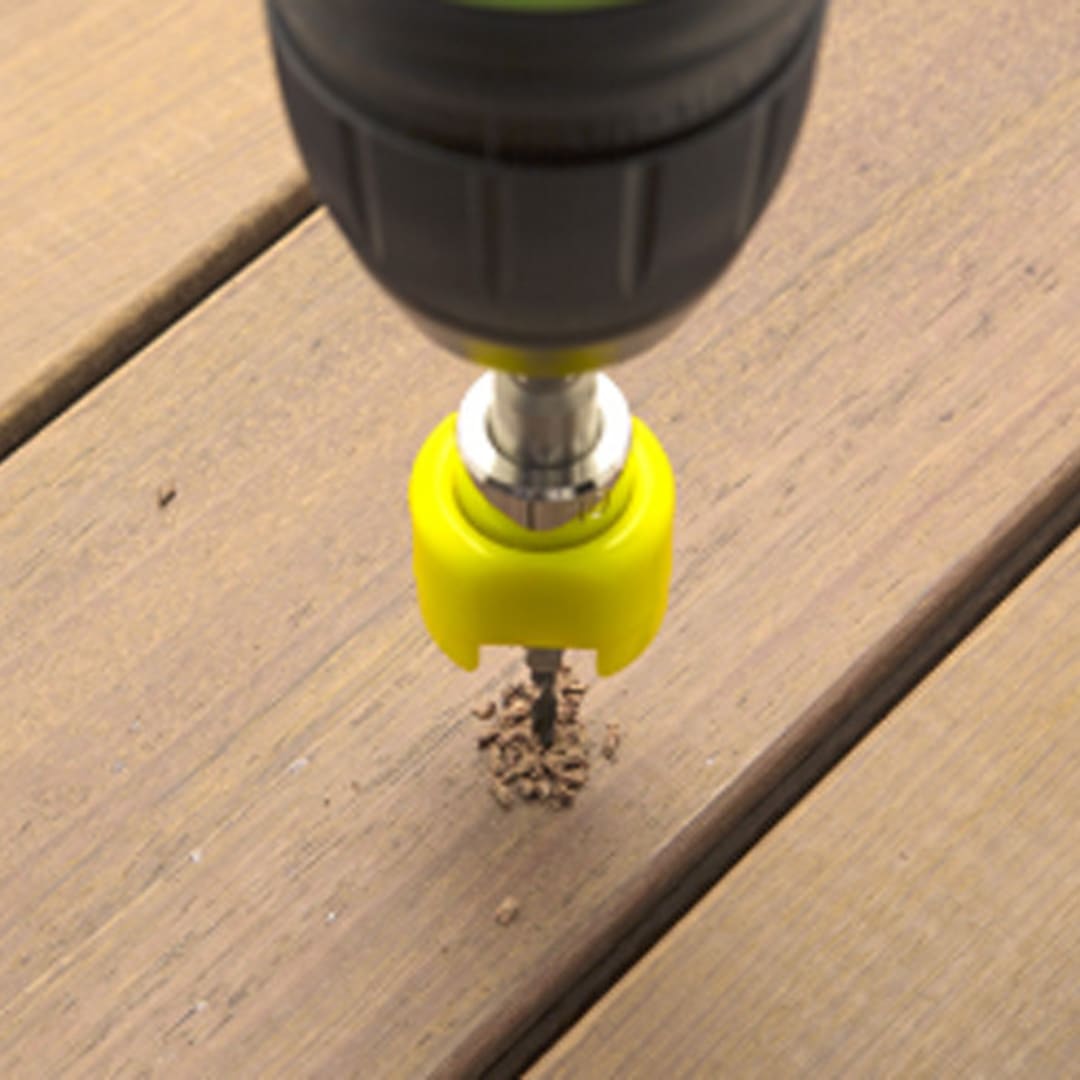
[(144, 157), (243, 827), (918, 915)]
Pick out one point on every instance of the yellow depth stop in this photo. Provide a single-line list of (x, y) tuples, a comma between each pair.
[(599, 582)]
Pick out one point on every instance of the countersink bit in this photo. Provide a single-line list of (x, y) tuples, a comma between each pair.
[(544, 666)]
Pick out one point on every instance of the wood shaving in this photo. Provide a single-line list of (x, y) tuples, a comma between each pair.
[(485, 712), (612, 740), (521, 767), (507, 911)]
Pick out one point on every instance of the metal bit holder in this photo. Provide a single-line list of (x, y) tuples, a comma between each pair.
[(544, 451)]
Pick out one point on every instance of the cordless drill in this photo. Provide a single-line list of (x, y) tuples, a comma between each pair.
[(547, 187)]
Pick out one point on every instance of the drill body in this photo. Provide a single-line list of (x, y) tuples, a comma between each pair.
[(547, 187)]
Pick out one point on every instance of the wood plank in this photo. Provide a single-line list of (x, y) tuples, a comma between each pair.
[(243, 827), (145, 158), (918, 915)]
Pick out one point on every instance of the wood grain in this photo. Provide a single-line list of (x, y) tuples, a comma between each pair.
[(918, 915), (145, 158), (244, 830)]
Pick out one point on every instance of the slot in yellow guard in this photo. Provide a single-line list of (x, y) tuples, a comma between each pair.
[(597, 583)]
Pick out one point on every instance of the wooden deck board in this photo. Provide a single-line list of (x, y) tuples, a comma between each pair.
[(145, 157), (243, 826), (918, 915)]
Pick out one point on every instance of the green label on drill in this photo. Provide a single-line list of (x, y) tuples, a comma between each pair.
[(545, 6)]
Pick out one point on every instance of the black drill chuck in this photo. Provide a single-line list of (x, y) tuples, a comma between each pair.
[(546, 181)]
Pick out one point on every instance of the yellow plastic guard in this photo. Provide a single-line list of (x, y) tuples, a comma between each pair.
[(599, 583)]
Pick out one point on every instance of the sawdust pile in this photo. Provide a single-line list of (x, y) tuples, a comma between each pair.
[(521, 766)]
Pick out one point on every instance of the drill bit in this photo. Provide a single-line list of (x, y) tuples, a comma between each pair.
[(544, 666)]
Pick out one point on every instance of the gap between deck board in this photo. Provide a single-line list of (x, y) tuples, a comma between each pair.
[(147, 160), (916, 915), (126, 332)]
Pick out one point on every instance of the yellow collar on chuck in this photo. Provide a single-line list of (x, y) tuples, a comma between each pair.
[(599, 584)]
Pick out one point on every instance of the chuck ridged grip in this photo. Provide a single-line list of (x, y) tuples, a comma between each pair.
[(515, 84), (563, 225)]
